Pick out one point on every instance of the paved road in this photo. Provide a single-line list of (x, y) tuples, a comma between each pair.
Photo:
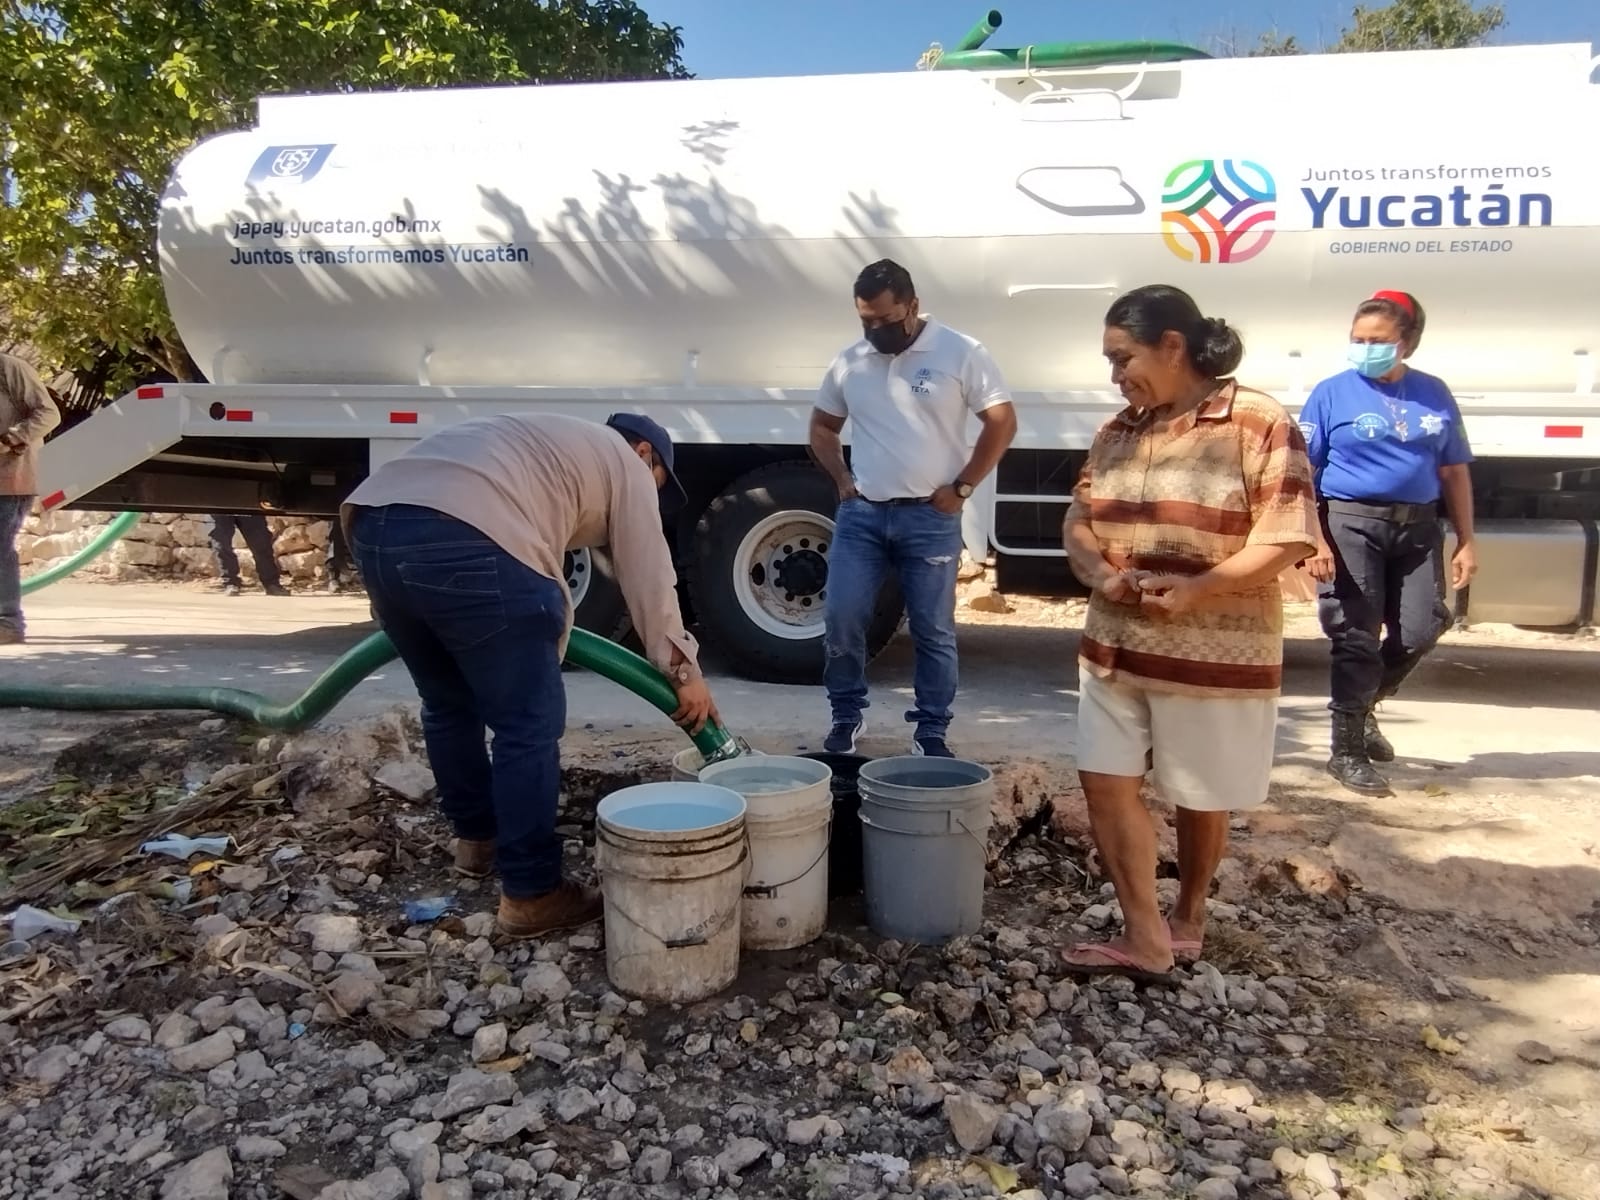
[(1507, 712)]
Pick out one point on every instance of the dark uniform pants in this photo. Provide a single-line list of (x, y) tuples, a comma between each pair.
[(1385, 608), (256, 536)]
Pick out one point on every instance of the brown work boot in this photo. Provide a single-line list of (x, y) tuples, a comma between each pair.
[(475, 860), (568, 907)]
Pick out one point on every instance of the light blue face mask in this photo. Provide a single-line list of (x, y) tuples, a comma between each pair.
[(1374, 359)]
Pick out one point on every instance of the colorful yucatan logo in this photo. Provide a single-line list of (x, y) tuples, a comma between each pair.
[(1218, 210)]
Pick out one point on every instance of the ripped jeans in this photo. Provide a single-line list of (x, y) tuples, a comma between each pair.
[(922, 546)]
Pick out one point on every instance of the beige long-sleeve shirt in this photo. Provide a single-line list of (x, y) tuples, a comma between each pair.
[(27, 415), (538, 486)]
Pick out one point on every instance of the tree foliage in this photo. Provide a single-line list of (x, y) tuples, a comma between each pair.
[(1421, 25), (1402, 25), (108, 94)]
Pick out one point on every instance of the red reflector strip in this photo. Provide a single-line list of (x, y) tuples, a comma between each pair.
[(150, 393), (1563, 431), (53, 499), (402, 418), (239, 414)]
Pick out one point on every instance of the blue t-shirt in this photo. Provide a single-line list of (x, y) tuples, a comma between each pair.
[(1382, 442)]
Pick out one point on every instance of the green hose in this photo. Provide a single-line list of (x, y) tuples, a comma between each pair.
[(1067, 54), (102, 542), (604, 658), (333, 685), (979, 33)]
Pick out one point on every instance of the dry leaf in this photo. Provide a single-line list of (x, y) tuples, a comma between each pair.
[(244, 879), (1002, 1176), (503, 1065), (1438, 1043), (1390, 1162), (1435, 789)]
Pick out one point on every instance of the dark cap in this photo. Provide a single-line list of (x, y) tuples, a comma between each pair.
[(642, 427)]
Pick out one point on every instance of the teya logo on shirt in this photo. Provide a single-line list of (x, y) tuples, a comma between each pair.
[(1370, 426), (921, 382)]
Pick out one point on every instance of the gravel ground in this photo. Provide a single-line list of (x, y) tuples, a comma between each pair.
[(1396, 997), (285, 1029)]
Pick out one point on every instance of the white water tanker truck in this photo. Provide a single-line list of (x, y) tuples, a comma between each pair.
[(361, 269)]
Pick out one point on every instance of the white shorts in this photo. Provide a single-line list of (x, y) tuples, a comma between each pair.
[(1209, 754)]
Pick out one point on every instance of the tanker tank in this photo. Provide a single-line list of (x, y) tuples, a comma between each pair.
[(707, 232)]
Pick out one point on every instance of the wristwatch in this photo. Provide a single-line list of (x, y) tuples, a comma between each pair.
[(963, 489)]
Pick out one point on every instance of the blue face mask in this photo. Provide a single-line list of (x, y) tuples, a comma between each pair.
[(1374, 359)]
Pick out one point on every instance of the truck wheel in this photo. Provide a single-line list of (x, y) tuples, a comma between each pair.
[(597, 601), (759, 574)]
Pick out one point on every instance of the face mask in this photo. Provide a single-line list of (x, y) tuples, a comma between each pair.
[(889, 339), (1374, 359)]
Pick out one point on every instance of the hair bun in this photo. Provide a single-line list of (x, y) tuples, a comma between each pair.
[(1221, 349)]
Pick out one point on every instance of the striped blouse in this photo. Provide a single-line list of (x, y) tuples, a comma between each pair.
[(1178, 497)]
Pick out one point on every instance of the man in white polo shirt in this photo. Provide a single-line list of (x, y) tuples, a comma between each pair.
[(908, 385)]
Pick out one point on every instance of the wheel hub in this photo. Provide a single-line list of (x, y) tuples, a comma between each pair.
[(781, 573), (578, 566), (802, 573)]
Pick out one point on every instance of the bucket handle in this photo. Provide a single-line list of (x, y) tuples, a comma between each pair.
[(954, 820), (983, 846), (770, 891), (694, 936)]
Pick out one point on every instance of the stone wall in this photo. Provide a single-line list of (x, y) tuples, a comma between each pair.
[(168, 546)]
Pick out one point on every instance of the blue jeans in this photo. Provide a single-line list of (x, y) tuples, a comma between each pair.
[(922, 546), (480, 633), (13, 511)]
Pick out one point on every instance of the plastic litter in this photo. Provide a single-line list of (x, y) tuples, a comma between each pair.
[(287, 855), (29, 922), (430, 908), (175, 845), (296, 1030)]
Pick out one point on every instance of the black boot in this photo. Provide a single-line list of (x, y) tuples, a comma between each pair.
[(1379, 748), (1350, 764)]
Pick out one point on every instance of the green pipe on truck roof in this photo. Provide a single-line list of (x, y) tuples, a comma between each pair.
[(1068, 54), (979, 33)]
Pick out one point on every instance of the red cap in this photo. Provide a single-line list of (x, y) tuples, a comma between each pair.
[(1400, 298)]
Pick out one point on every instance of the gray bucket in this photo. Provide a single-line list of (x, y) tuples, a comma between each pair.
[(924, 834)]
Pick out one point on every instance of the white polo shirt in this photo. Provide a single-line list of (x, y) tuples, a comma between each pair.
[(909, 412)]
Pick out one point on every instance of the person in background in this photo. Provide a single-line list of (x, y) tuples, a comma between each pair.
[(459, 542), (336, 562), (253, 528), (1386, 443), (908, 384), (28, 413), (1193, 500)]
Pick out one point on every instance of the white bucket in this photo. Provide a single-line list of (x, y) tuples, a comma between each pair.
[(672, 859), (686, 765), (789, 818)]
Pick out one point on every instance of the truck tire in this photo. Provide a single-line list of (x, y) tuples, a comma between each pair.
[(597, 602), (758, 574)]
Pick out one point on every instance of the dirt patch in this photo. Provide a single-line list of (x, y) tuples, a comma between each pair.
[(172, 748)]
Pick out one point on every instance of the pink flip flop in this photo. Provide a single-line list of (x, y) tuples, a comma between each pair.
[(1183, 949), (1114, 962)]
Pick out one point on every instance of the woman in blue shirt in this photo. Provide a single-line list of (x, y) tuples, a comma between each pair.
[(1387, 445)]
